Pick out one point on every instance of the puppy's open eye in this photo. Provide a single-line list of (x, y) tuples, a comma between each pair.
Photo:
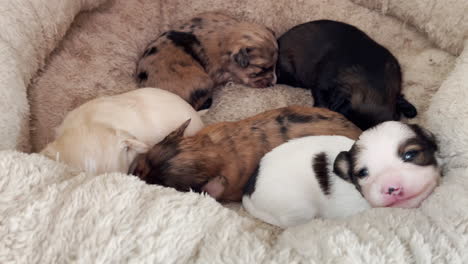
[(253, 75), (410, 155), (362, 173)]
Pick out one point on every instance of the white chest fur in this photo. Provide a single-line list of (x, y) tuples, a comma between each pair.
[(288, 190)]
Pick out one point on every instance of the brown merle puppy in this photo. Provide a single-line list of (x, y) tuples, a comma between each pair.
[(346, 70), (220, 158), (209, 50)]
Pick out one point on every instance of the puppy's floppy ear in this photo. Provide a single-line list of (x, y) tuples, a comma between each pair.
[(342, 166), (242, 57), (179, 132)]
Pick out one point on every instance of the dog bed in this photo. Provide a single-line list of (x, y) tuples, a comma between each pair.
[(57, 54)]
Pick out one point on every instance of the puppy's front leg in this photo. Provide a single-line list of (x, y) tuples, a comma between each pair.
[(215, 187)]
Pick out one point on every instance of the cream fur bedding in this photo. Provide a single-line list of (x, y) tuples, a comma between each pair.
[(50, 213)]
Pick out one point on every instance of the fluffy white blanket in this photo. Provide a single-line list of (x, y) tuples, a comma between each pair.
[(50, 213)]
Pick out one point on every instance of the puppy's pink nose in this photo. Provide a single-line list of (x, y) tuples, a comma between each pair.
[(393, 190)]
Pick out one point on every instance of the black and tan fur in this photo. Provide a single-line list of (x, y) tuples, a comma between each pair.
[(346, 71), (209, 50), (221, 157)]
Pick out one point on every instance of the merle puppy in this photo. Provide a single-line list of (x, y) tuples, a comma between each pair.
[(346, 71), (205, 52)]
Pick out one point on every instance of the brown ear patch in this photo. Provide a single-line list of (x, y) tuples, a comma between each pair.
[(420, 148), (423, 154)]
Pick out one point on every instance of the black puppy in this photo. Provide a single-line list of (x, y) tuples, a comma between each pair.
[(346, 70)]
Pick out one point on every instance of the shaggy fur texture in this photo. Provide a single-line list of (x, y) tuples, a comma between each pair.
[(49, 213), (68, 216)]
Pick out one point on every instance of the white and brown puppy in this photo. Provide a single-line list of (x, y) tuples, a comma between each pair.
[(391, 165), (107, 133), (209, 50)]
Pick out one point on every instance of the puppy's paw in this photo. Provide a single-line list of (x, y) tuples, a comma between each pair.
[(215, 187)]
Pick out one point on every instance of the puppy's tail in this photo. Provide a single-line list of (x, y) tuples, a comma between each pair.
[(406, 108)]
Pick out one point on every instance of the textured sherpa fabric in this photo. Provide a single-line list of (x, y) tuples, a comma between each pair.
[(235, 102), (448, 112), (68, 216), (444, 22), (50, 213), (30, 30)]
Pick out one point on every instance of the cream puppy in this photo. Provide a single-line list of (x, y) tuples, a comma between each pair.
[(106, 134)]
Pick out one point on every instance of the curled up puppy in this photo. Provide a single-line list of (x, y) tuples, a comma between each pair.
[(220, 158), (390, 165), (207, 51), (106, 134), (346, 70)]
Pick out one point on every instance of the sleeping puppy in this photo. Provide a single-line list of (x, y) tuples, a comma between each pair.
[(106, 134), (220, 158), (391, 165), (209, 50), (346, 70), (295, 183)]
